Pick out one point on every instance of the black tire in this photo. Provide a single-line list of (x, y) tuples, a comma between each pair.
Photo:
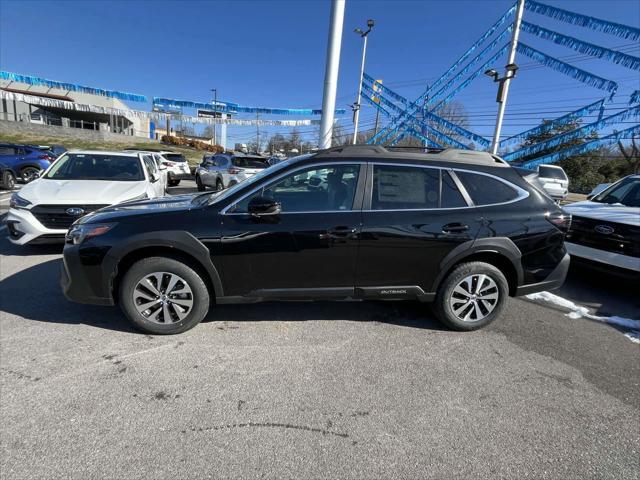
[(29, 174), (219, 185), (8, 180), (446, 299), (174, 183), (147, 266), (199, 184)]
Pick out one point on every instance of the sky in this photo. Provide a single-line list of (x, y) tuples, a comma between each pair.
[(272, 53)]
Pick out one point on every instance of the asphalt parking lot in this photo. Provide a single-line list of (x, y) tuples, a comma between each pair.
[(313, 390)]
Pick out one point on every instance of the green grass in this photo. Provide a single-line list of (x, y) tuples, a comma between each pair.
[(191, 154)]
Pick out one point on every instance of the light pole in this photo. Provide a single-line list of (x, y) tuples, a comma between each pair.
[(510, 72), (331, 73), (215, 111), (356, 106)]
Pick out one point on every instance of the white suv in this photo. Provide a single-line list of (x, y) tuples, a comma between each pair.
[(77, 183), (177, 167), (554, 181)]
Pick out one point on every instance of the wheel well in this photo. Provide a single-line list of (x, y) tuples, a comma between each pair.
[(499, 261), (132, 257)]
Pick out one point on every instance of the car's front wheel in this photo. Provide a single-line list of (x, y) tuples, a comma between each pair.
[(199, 184), (219, 185), (164, 296), (29, 174), (471, 296)]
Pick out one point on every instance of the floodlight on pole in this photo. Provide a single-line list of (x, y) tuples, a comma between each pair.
[(356, 106), (510, 71)]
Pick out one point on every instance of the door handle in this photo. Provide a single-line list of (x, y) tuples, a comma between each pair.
[(342, 231), (455, 228)]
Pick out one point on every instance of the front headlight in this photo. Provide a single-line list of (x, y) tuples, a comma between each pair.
[(78, 233), (144, 196), (18, 202)]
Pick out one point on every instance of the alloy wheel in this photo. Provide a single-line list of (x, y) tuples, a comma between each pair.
[(475, 297), (29, 174), (163, 297)]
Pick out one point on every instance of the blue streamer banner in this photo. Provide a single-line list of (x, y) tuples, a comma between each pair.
[(584, 148), (581, 132), (473, 47), (566, 69), (576, 114), (635, 97), (469, 65), (233, 108), (612, 28), (473, 76), (377, 105), (369, 79), (587, 48), (71, 87)]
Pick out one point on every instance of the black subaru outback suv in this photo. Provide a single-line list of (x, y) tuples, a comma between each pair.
[(461, 229)]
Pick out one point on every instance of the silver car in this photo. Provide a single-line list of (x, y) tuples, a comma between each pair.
[(223, 170), (554, 181)]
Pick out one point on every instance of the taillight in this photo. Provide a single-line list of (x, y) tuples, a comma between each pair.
[(234, 170), (169, 164), (560, 219), (48, 158)]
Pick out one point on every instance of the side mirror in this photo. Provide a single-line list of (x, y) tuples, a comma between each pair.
[(153, 178), (162, 166), (589, 197), (262, 206)]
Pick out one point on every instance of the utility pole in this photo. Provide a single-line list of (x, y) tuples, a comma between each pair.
[(510, 72), (215, 114), (356, 106), (331, 73)]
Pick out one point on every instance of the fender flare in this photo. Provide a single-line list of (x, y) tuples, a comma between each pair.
[(178, 240), (501, 245)]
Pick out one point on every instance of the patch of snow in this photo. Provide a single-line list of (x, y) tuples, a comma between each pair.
[(633, 336), (579, 311)]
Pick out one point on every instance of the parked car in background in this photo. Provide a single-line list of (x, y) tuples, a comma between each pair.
[(79, 183), (160, 164), (554, 181), (54, 151), (177, 167), (459, 228), (606, 228), (224, 170), (25, 161), (7, 177)]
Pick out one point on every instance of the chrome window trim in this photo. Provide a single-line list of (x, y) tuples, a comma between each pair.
[(284, 174)]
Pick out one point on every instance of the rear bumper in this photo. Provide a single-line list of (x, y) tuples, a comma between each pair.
[(554, 280), (179, 176)]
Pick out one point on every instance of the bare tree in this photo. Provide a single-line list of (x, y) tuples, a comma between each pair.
[(632, 155)]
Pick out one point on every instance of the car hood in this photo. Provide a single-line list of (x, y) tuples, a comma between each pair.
[(142, 207), (603, 211), (81, 192)]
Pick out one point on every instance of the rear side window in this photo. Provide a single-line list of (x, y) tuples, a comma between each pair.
[(7, 151), (399, 187), (485, 190), (174, 157), (249, 162)]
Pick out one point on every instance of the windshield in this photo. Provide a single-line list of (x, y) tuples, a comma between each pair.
[(81, 166), (552, 172), (213, 198), (625, 192), (250, 162), (174, 157)]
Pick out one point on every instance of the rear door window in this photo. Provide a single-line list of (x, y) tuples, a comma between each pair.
[(485, 190), (7, 151), (402, 188)]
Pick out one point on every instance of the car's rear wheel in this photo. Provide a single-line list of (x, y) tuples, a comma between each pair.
[(8, 180), (471, 296), (29, 174), (219, 185), (199, 184), (164, 296), (174, 183)]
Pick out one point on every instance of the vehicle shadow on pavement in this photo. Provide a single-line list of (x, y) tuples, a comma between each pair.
[(35, 294), (606, 293), (8, 249)]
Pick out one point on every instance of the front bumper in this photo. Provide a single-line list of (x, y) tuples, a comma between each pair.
[(82, 283), (554, 280), (24, 228), (602, 256)]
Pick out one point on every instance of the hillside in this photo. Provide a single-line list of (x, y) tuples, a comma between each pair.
[(193, 156)]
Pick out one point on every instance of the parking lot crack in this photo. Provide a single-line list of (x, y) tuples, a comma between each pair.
[(234, 426)]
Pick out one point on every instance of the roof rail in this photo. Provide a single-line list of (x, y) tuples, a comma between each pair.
[(354, 150)]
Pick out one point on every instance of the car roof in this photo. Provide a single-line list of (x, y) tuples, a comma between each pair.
[(378, 152)]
